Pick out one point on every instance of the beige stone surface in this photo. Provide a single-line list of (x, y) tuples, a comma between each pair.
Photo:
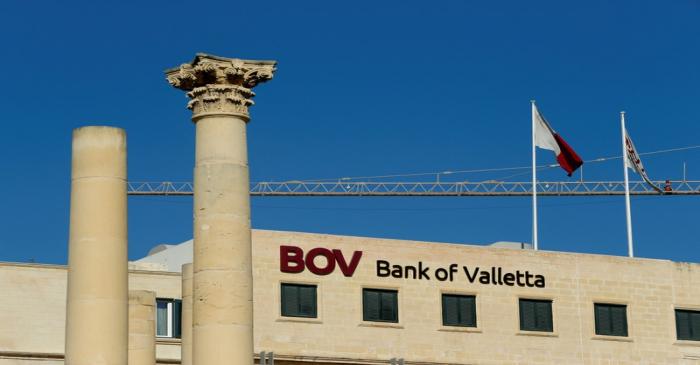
[(29, 361), (652, 289), (97, 249), (32, 308), (33, 311), (186, 338), (142, 328), (220, 90)]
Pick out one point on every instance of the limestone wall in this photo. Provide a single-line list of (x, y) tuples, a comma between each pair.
[(33, 311), (650, 288), (32, 307)]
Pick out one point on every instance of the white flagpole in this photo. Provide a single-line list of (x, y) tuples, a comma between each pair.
[(627, 186), (534, 180)]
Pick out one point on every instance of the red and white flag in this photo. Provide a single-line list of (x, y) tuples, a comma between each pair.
[(546, 138)]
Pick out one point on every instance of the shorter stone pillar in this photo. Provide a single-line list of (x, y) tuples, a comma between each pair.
[(97, 290), (186, 334), (142, 327)]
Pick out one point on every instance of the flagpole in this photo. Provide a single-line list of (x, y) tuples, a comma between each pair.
[(630, 248), (534, 180)]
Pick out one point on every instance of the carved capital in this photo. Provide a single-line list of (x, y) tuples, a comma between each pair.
[(218, 85), (220, 99)]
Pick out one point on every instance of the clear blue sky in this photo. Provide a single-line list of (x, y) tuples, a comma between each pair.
[(363, 88)]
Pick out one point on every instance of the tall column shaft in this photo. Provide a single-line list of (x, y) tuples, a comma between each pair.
[(96, 307), (142, 327), (223, 279), (220, 92), (186, 333)]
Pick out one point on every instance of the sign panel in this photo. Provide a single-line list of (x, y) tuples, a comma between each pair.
[(293, 260)]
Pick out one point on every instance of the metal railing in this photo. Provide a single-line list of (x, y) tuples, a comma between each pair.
[(267, 358)]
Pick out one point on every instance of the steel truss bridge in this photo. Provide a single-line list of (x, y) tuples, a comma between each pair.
[(455, 189)]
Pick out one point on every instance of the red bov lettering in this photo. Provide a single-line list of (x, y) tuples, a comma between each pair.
[(319, 251), (291, 259), (347, 270)]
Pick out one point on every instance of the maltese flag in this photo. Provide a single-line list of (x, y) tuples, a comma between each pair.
[(546, 138)]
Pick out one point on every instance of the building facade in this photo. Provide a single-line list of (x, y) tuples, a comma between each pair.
[(327, 299)]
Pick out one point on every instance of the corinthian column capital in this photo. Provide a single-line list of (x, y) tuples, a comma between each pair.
[(219, 85)]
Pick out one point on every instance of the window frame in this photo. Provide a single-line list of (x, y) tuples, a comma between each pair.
[(299, 285), (459, 296), (691, 340), (609, 304), (381, 290), (171, 304), (550, 331)]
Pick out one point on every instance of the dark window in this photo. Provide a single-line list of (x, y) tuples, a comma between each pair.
[(380, 305), (168, 317), (299, 300), (459, 310), (536, 315), (610, 319), (177, 318), (688, 325)]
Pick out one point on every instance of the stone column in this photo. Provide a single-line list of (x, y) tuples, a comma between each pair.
[(142, 327), (220, 94), (96, 307), (186, 335)]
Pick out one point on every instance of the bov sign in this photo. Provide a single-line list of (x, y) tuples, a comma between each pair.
[(293, 260)]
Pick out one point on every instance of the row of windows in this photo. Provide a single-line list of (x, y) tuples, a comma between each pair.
[(381, 305)]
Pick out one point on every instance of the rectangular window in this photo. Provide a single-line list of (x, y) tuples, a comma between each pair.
[(688, 325), (299, 300), (459, 310), (610, 319), (168, 317), (536, 315), (379, 305)]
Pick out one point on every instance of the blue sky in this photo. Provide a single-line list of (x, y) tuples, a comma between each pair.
[(364, 88)]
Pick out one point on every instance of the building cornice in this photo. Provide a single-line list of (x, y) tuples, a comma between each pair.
[(65, 267)]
